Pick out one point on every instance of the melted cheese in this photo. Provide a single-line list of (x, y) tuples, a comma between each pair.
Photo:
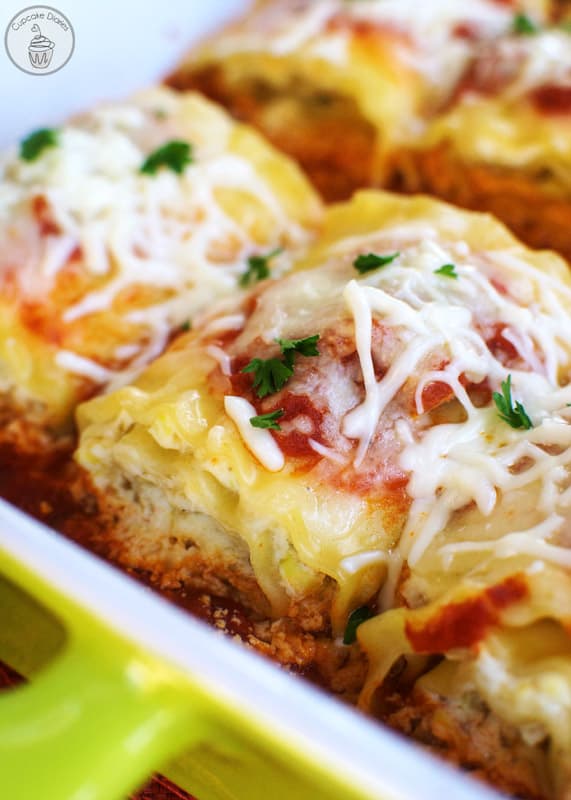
[(398, 59), (544, 58), (223, 359), (454, 465), (504, 129), (521, 669), (259, 441), (432, 329), (71, 362), (282, 30), (149, 251)]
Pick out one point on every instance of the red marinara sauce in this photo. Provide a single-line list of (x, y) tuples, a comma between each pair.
[(551, 99), (466, 623)]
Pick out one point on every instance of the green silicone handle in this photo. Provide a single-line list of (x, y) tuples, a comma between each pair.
[(90, 726), (96, 720), (101, 713)]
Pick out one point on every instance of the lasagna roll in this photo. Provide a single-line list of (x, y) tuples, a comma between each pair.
[(115, 229), (384, 432), (503, 143), (336, 83)]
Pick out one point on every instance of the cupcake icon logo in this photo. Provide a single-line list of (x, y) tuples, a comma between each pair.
[(40, 49), (39, 40)]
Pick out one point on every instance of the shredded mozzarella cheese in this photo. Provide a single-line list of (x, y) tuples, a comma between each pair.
[(84, 367), (453, 465), (171, 233), (221, 357), (544, 58), (259, 441)]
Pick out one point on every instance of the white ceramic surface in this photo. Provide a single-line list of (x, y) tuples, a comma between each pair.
[(120, 46)]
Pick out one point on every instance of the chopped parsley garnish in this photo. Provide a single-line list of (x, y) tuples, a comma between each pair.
[(449, 270), (175, 155), (305, 347), (186, 326), (356, 618), (271, 374), (258, 268), (267, 421), (524, 25), (34, 145), (371, 261), (516, 416)]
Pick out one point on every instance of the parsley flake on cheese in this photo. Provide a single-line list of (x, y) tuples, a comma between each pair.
[(515, 416), (34, 145), (268, 421), (271, 374), (448, 270), (175, 155), (370, 261), (524, 25), (258, 268)]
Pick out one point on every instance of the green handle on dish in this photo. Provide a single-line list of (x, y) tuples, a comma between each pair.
[(96, 720), (101, 714), (88, 727)]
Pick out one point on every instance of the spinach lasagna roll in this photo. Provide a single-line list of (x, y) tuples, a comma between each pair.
[(384, 432), (503, 143), (338, 83), (115, 229)]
